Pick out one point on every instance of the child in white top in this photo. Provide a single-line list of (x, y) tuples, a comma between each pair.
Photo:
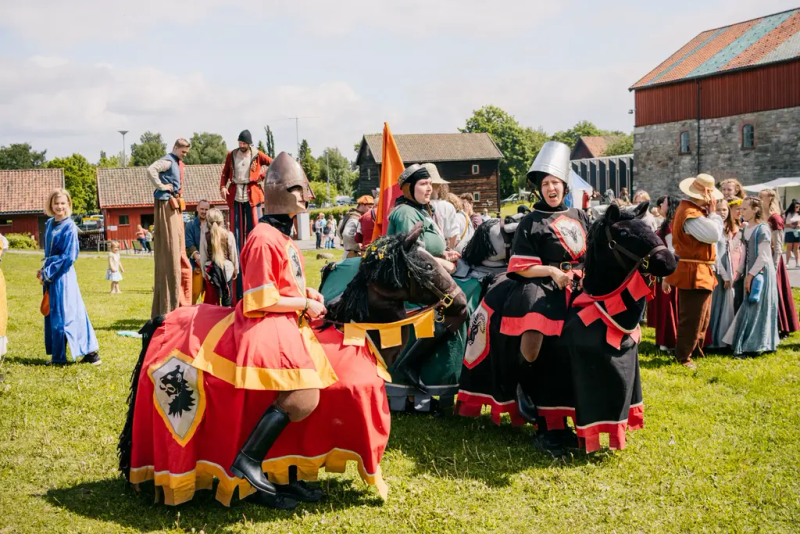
[(115, 269)]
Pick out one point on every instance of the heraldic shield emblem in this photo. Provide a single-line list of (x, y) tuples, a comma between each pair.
[(179, 395), (297, 267), (478, 336), (570, 233)]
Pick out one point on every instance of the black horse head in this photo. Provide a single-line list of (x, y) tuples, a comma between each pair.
[(178, 390), (393, 270), (605, 269)]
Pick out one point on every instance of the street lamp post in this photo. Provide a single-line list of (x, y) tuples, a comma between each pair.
[(123, 132)]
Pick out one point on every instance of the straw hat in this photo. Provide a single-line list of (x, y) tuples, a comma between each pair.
[(698, 187), (434, 172)]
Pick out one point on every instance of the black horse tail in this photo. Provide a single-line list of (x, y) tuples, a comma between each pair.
[(125, 445)]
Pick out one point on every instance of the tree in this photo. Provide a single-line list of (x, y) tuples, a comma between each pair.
[(270, 142), (310, 165), (105, 161), (151, 148), (570, 137), (21, 156), (623, 145), (206, 148), (341, 170), (80, 180), (320, 190), (261, 147), (519, 144)]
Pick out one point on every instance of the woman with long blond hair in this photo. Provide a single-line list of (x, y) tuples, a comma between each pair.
[(787, 313), (731, 188), (66, 323), (219, 260), (729, 267)]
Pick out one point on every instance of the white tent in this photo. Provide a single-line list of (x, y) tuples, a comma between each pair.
[(577, 186), (787, 188)]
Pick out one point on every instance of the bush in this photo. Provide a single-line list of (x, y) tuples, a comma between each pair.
[(337, 212), (22, 242)]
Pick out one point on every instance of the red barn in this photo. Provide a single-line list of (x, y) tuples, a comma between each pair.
[(23, 195), (727, 103), (125, 195)]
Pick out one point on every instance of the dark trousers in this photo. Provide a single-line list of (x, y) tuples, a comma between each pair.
[(694, 314), (319, 239), (243, 219)]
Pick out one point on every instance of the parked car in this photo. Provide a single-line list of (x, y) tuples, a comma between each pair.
[(511, 199)]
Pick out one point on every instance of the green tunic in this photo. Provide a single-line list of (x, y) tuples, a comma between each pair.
[(404, 217)]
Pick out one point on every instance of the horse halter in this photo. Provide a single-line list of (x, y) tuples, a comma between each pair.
[(619, 250)]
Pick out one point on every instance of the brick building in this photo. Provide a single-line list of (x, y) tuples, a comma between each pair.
[(125, 195), (727, 103), (469, 161), (23, 194)]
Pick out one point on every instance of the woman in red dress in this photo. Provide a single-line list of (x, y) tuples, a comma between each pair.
[(665, 305), (787, 314)]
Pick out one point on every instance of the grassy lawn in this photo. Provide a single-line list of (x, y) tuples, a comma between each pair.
[(720, 450)]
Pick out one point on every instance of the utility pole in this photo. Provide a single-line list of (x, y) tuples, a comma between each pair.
[(296, 128), (328, 172), (123, 132)]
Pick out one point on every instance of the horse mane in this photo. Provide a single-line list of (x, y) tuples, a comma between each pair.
[(480, 246), (387, 263)]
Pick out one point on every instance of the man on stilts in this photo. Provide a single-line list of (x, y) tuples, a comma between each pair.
[(245, 167)]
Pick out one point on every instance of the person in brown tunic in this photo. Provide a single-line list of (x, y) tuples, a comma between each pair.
[(695, 230)]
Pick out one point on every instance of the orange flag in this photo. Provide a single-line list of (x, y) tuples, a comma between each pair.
[(391, 168)]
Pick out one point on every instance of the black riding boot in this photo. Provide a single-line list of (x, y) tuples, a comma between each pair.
[(525, 406), (410, 364), (247, 464), (298, 489)]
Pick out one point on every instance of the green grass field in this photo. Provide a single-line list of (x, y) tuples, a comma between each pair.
[(720, 450)]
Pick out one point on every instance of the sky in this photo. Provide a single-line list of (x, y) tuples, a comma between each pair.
[(74, 73)]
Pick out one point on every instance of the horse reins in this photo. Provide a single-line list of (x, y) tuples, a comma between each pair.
[(619, 250)]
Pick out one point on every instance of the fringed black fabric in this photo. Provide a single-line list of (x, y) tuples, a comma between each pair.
[(125, 445)]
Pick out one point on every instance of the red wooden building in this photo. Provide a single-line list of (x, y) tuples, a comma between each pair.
[(23, 194), (727, 103), (125, 195)]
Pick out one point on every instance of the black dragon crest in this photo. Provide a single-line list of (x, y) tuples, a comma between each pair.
[(478, 324), (179, 391)]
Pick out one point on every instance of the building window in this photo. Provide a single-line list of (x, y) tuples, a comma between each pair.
[(5, 222), (685, 146), (748, 136), (124, 220), (476, 169), (477, 196), (369, 177)]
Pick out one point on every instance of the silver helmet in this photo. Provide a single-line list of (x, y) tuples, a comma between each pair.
[(553, 160)]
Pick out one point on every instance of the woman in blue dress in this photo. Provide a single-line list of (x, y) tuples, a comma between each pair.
[(67, 322), (755, 328)]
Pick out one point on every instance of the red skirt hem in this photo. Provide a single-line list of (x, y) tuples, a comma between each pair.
[(589, 435), (471, 404)]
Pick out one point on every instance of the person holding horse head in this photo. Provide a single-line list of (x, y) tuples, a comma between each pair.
[(695, 231), (525, 310), (416, 183)]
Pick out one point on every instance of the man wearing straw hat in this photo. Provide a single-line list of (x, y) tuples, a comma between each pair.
[(695, 230)]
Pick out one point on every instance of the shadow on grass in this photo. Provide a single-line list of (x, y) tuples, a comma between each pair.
[(465, 447), (124, 324), (115, 500)]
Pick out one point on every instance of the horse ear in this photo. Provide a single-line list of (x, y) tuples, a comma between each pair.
[(413, 235), (642, 209), (612, 213)]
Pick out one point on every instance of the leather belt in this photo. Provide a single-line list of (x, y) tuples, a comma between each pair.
[(689, 260)]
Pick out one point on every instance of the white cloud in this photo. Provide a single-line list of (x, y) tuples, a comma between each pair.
[(66, 107)]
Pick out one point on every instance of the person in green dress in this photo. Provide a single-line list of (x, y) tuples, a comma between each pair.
[(412, 208), (415, 207)]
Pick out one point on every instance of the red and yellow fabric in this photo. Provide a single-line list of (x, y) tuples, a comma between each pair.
[(183, 446), (254, 349)]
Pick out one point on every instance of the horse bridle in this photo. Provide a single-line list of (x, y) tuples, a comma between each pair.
[(619, 251)]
